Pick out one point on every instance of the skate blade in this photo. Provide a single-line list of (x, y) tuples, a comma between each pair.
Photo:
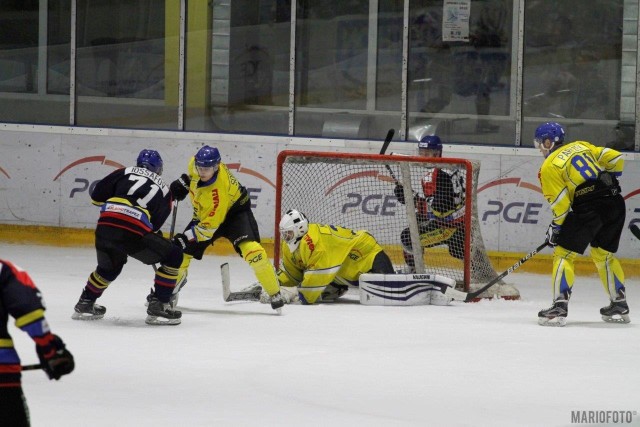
[(156, 320), (556, 321), (617, 318), (86, 316), (279, 311)]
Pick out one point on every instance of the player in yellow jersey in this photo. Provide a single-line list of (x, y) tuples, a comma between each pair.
[(320, 261), (580, 183), (221, 208)]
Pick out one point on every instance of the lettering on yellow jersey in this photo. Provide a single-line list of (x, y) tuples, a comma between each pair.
[(585, 190), (216, 201), (309, 242), (354, 257), (565, 153)]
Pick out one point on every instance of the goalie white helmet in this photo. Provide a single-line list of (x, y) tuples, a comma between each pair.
[(293, 226)]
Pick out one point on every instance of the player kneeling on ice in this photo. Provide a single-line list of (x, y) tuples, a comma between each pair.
[(580, 182), (320, 261)]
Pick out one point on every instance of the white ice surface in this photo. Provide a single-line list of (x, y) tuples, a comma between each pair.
[(239, 364)]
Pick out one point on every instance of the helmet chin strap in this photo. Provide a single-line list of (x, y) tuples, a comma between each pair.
[(547, 150), (294, 244)]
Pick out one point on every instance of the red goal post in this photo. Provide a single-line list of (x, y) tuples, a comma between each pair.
[(356, 191)]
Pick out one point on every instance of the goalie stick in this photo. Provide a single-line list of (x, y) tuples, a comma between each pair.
[(229, 296), (635, 230)]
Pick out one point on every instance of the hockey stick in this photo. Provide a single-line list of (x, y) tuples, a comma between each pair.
[(172, 230), (385, 145), (387, 140), (635, 230), (33, 367), (174, 214), (472, 295), (229, 296)]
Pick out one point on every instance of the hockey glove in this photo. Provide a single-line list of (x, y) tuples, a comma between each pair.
[(180, 187), (553, 234), (55, 359), (181, 240), (398, 191)]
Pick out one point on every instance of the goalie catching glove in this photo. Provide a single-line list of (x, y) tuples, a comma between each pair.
[(180, 187)]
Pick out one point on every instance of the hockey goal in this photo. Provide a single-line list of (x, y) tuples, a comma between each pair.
[(356, 191)]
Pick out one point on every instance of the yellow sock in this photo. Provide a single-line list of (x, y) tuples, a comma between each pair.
[(563, 271), (255, 255), (609, 270)]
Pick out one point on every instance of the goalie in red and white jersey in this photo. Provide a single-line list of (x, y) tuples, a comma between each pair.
[(319, 261), (440, 209)]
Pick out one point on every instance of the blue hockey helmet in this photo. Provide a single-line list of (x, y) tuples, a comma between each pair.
[(207, 157), (547, 136), (207, 162), (151, 160), (430, 146)]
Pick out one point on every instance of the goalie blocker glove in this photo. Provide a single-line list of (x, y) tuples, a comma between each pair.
[(180, 187)]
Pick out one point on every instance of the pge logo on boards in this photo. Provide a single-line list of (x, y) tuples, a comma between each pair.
[(81, 184), (513, 212), (253, 192), (516, 212)]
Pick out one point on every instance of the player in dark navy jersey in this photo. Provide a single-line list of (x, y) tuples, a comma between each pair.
[(134, 203), (21, 299)]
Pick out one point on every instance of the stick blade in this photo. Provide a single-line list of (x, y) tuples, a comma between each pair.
[(452, 293), (226, 281)]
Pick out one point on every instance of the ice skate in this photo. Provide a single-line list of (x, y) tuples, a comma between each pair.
[(161, 313), (87, 309), (617, 311), (174, 297), (556, 315)]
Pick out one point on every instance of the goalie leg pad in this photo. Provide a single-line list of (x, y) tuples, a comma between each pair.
[(404, 289)]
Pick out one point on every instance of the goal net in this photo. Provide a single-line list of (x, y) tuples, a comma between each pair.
[(437, 233)]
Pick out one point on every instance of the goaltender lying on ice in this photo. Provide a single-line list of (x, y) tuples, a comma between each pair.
[(374, 289)]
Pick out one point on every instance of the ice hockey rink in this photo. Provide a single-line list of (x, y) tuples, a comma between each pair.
[(240, 364)]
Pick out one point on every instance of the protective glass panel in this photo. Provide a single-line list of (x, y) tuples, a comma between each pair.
[(127, 65), (238, 76), (34, 81), (459, 74), (573, 69)]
